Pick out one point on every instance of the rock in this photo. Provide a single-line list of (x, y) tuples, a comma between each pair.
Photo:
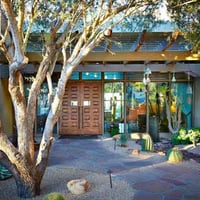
[(78, 186), (162, 146), (161, 153), (135, 152)]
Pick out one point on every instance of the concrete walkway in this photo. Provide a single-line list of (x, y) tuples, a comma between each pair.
[(149, 174)]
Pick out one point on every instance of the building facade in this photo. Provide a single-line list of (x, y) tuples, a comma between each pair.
[(113, 92)]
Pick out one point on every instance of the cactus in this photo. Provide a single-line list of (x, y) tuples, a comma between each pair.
[(174, 155), (147, 143)]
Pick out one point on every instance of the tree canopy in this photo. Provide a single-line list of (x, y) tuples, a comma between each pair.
[(186, 14)]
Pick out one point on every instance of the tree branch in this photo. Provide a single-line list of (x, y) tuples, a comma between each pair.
[(16, 36), (6, 42), (21, 17), (33, 16)]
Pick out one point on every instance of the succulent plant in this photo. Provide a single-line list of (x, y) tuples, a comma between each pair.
[(147, 144), (54, 196), (174, 155)]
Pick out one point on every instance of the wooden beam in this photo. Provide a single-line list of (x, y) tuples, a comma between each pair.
[(172, 39), (127, 56), (171, 56), (141, 40), (177, 67), (139, 56)]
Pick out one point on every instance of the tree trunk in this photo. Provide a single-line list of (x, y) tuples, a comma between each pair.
[(28, 179), (26, 188)]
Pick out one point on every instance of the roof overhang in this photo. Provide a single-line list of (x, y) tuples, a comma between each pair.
[(127, 51), (162, 56)]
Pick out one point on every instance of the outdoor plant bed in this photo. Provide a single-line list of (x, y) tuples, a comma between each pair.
[(190, 156), (165, 145)]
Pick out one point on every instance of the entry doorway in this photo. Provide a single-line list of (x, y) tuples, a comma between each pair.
[(81, 109)]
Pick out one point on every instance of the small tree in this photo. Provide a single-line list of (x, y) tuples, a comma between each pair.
[(82, 25)]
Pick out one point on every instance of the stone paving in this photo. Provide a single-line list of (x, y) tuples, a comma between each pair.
[(151, 176)]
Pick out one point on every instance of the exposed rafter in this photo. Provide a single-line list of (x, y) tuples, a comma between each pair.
[(171, 40), (108, 45), (148, 48), (141, 40)]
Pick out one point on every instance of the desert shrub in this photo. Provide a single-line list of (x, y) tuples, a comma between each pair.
[(180, 137), (194, 135), (186, 136)]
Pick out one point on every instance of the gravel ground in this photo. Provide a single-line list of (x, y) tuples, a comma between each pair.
[(56, 178), (190, 148), (190, 152)]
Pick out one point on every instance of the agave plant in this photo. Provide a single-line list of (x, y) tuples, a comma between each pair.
[(194, 135)]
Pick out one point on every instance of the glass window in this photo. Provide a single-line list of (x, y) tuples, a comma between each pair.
[(165, 101), (113, 106), (43, 106), (173, 99), (182, 99), (135, 107), (137, 77), (113, 76), (74, 76), (91, 75)]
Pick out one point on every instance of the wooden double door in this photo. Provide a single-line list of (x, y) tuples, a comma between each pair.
[(81, 109)]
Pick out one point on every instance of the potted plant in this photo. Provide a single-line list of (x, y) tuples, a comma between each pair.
[(114, 129), (123, 140)]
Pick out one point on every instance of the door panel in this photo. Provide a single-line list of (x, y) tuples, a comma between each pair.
[(81, 110), (70, 109)]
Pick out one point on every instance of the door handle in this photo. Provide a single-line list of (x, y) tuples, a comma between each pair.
[(79, 117)]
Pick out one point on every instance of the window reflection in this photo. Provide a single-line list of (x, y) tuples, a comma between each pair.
[(43, 106), (113, 105), (113, 75), (135, 107), (74, 76), (91, 75)]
